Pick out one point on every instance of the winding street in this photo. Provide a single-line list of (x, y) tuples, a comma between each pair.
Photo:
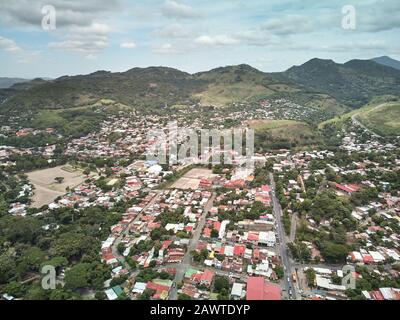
[(358, 123)]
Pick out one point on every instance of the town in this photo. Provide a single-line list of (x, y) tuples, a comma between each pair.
[(288, 228)]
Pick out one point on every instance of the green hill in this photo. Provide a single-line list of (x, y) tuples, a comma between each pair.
[(387, 61), (383, 120), (239, 84), (381, 115), (320, 84), (9, 82), (283, 134), (146, 87), (354, 83)]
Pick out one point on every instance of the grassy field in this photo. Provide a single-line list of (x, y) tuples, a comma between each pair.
[(224, 94), (47, 189), (238, 84), (341, 119), (260, 125), (77, 121), (278, 134), (191, 179), (383, 120)]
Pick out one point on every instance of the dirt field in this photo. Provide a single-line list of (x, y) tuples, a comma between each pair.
[(191, 180), (47, 189)]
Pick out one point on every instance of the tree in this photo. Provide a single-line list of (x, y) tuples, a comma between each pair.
[(31, 259), (152, 263), (74, 245), (147, 294), (17, 229), (183, 296), (78, 276), (220, 257), (100, 295), (60, 294), (59, 179), (214, 233), (333, 252), (310, 276), (36, 292), (121, 248), (108, 172), (116, 281), (300, 251), (279, 272), (221, 283), (15, 289)]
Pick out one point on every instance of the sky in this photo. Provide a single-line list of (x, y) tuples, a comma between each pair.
[(80, 37)]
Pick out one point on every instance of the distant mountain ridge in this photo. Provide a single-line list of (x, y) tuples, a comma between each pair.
[(9, 82), (317, 83), (387, 61), (354, 83)]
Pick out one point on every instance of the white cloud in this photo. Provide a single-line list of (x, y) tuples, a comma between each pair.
[(91, 56), (8, 45), (174, 9), (29, 57), (87, 39), (128, 45), (218, 40), (174, 30), (77, 26), (166, 48), (291, 24), (81, 13)]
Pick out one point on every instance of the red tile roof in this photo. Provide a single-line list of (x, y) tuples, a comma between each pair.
[(252, 236), (217, 225), (368, 259), (265, 188), (258, 289), (166, 244), (239, 250), (157, 287), (207, 276), (207, 232), (349, 188)]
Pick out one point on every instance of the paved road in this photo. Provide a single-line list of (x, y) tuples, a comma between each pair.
[(358, 123), (125, 232), (184, 265), (288, 283)]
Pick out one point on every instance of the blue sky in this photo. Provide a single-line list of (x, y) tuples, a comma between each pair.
[(116, 35)]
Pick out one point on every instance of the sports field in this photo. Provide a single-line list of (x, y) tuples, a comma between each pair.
[(47, 189)]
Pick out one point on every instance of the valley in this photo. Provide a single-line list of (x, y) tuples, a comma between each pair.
[(82, 191)]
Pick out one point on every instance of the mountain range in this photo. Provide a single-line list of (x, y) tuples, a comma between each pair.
[(9, 82), (387, 61), (317, 83)]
